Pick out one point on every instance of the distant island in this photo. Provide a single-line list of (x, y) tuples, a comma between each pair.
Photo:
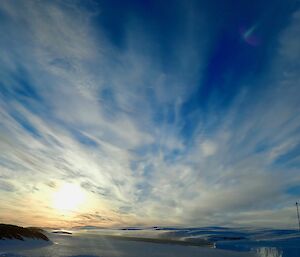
[(21, 233), (62, 232), (87, 227)]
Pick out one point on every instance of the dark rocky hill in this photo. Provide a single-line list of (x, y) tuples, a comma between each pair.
[(20, 233)]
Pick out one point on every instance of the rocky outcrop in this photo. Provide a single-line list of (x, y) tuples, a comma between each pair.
[(21, 233)]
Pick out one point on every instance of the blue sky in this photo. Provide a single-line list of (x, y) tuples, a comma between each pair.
[(161, 112)]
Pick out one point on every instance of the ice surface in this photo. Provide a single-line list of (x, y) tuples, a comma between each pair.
[(10, 255), (228, 242), (27, 243), (17, 255), (87, 245)]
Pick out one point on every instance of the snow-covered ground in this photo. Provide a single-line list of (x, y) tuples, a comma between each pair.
[(265, 242), (98, 246), (228, 242), (27, 243)]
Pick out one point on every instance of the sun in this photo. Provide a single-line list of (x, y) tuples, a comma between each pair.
[(68, 198)]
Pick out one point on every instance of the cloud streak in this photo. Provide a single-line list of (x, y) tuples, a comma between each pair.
[(131, 125)]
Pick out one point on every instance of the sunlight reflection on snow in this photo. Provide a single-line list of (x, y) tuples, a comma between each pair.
[(268, 252)]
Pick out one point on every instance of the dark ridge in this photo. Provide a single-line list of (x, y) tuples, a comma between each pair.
[(130, 229), (87, 227), (16, 232), (37, 229)]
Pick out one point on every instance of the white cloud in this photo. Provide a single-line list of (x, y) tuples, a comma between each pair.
[(208, 148), (173, 182)]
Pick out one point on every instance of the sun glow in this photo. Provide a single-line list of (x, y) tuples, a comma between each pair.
[(68, 198)]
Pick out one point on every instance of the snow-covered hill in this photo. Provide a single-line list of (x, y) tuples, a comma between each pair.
[(15, 237)]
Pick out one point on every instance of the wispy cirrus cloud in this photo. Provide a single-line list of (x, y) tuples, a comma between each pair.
[(137, 126)]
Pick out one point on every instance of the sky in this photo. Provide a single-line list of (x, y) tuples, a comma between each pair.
[(148, 112)]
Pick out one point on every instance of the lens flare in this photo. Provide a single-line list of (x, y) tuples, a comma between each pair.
[(250, 36)]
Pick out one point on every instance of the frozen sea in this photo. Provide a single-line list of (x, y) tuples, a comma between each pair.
[(227, 242)]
